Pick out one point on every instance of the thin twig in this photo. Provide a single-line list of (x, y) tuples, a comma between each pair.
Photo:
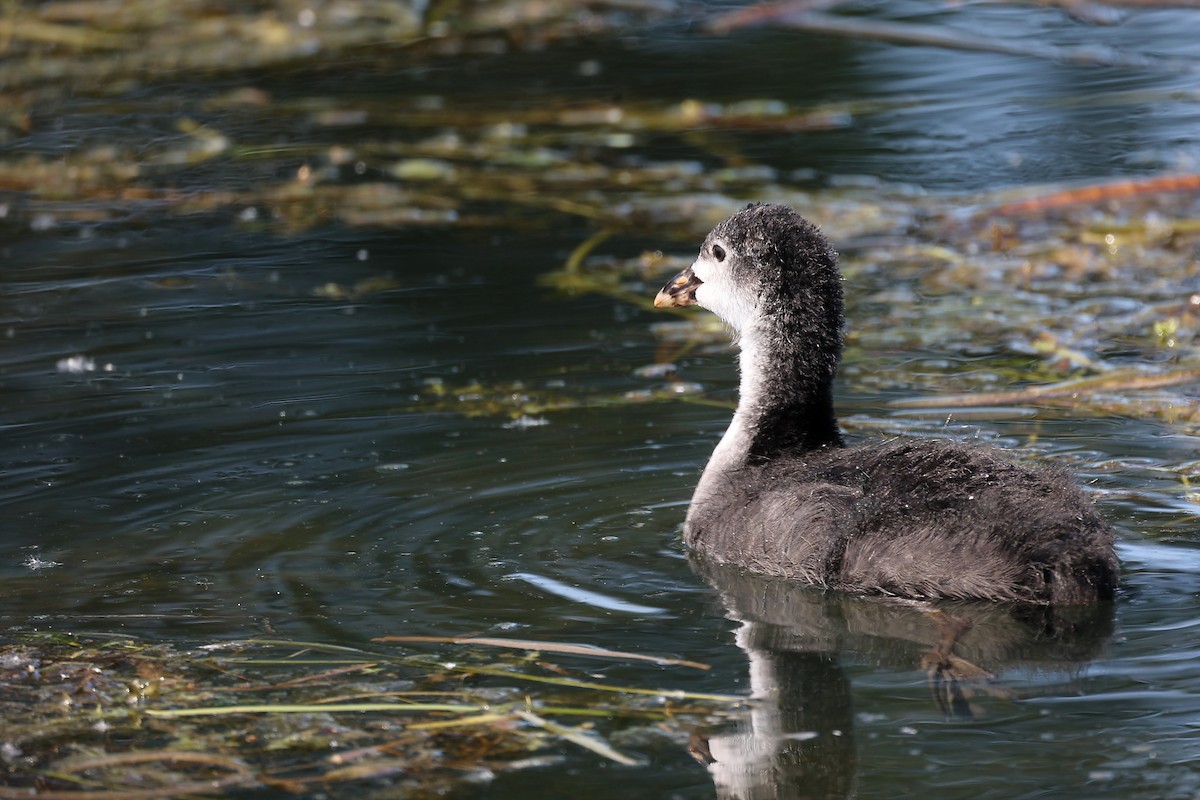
[(545, 647)]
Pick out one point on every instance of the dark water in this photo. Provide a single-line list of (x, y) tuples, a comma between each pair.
[(237, 448)]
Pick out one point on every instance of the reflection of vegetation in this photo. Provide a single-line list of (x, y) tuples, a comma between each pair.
[(121, 719)]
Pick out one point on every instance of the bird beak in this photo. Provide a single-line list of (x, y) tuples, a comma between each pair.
[(680, 291)]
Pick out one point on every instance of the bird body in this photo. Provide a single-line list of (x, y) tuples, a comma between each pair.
[(782, 495)]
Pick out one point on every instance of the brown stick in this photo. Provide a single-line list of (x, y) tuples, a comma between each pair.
[(1091, 195)]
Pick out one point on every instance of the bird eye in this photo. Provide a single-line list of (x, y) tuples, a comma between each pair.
[(718, 252)]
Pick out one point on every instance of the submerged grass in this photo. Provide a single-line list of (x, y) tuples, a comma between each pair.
[(92, 717)]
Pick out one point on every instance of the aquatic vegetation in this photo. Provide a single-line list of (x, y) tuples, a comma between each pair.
[(120, 718), (1084, 297), (525, 405)]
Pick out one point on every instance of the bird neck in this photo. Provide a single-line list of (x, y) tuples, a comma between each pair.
[(785, 404), (785, 400)]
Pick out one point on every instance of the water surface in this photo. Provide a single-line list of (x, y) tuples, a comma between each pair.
[(203, 441)]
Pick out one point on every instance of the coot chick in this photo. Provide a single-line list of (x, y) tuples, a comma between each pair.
[(783, 495)]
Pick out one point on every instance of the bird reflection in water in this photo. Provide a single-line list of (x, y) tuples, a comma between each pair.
[(798, 738)]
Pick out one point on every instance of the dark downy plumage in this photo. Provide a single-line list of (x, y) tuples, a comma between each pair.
[(782, 495)]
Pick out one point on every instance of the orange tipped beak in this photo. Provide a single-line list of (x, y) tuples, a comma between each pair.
[(679, 291)]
